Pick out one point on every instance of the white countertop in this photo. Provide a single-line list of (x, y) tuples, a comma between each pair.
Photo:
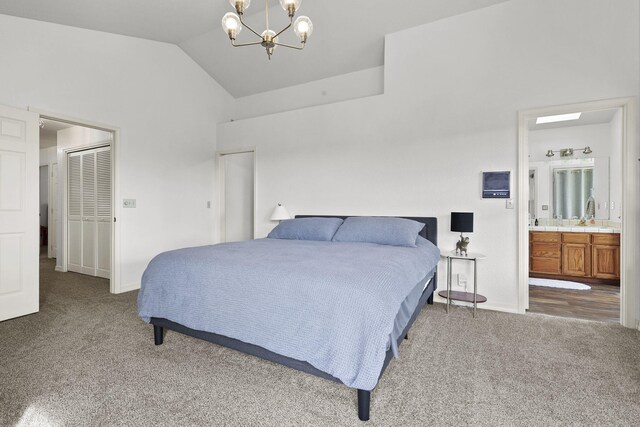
[(576, 229)]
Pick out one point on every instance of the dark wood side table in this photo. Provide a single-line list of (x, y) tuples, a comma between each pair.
[(450, 295)]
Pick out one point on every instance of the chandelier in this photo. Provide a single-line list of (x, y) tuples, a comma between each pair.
[(232, 25)]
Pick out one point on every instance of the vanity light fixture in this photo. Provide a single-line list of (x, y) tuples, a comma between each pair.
[(558, 118), (232, 25), (568, 152)]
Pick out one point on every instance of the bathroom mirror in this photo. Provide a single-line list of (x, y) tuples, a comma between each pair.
[(572, 188), (561, 188)]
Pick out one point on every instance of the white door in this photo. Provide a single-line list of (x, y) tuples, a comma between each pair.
[(53, 210), (238, 196), (19, 224), (89, 212)]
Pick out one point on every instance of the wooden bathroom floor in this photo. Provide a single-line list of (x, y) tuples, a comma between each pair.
[(600, 303)]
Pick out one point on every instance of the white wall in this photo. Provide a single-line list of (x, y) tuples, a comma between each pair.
[(452, 92), (616, 166), (165, 106), (604, 143), (354, 85), (44, 195), (48, 155), (597, 136)]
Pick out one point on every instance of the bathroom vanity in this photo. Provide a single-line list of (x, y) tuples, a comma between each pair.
[(584, 253)]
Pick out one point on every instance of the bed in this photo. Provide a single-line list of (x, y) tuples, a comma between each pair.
[(335, 306)]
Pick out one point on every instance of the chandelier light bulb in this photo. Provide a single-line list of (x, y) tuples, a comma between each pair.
[(268, 36), (303, 28), (240, 5), (290, 6), (231, 25)]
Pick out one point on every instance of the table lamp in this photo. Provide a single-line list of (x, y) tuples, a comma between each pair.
[(462, 222), (280, 213)]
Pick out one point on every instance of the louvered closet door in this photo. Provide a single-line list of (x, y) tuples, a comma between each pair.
[(89, 212), (74, 212), (103, 213)]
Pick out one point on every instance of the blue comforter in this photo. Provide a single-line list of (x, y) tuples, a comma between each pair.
[(331, 304)]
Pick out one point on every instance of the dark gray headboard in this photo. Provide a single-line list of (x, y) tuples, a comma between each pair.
[(429, 232)]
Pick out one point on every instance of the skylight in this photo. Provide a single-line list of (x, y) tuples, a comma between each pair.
[(558, 118)]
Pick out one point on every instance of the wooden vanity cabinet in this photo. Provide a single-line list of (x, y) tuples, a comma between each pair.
[(590, 256), (545, 252), (576, 254), (606, 256)]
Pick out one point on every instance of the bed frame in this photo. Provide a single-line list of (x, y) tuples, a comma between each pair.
[(430, 232)]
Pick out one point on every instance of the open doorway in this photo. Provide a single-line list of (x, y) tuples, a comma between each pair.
[(236, 177), (80, 158), (575, 225), (578, 231)]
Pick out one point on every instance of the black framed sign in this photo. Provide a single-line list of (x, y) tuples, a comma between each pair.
[(496, 185)]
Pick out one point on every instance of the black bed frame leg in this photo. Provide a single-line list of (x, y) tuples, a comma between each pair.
[(158, 334), (406, 336), (364, 402), (430, 299)]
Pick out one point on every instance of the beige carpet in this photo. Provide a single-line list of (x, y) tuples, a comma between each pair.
[(86, 359)]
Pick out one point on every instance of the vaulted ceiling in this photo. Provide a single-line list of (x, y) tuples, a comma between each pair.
[(348, 35)]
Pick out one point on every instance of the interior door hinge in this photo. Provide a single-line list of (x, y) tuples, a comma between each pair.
[(114, 219)]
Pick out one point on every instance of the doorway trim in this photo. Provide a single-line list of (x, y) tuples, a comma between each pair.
[(221, 187), (115, 285), (628, 258)]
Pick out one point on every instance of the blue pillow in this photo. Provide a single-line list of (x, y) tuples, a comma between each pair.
[(321, 229), (380, 230)]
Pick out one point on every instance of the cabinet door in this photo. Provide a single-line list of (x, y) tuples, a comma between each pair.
[(576, 260), (606, 262)]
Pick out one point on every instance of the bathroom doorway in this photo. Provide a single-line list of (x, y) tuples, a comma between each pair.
[(573, 229)]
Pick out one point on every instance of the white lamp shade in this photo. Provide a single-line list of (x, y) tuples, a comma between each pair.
[(280, 213)]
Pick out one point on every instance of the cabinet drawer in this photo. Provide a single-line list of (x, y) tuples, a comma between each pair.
[(545, 250), (545, 236), (575, 237), (545, 265), (605, 239)]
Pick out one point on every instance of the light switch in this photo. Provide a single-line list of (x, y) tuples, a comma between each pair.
[(509, 203), (208, 204), (128, 203)]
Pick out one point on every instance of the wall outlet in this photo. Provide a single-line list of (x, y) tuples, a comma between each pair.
[(128, 203), (208, 204)]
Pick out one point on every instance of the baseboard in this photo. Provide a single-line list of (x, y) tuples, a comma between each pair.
[(60, 269), (638, 324), (128, 288)]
